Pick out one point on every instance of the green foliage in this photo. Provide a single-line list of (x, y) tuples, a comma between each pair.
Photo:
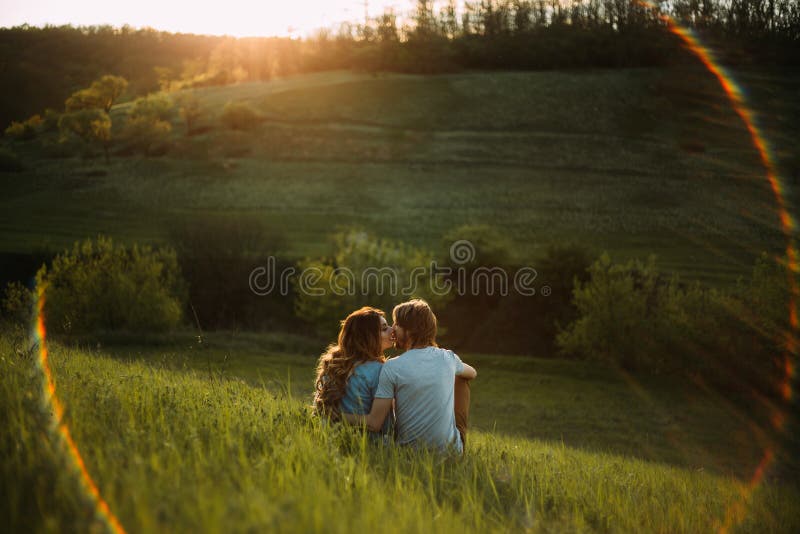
[(9, 161), (101, 94), (626, 313), (239, 116), (44, 64), (23, 131), (149, 124), (50, 120), (17, 306), (157, 107), (98, 286), (492, 248), (630, 315), (364, 271), (91, 125)]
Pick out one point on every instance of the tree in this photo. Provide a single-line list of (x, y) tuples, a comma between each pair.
[(101, 94), (364, 271), (149, 123), (93, 126)]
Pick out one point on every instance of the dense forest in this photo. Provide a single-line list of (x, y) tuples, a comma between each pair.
[(42, 66)]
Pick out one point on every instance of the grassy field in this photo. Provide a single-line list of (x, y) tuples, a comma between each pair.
[(634, 162), (214, 439), (213, 434)]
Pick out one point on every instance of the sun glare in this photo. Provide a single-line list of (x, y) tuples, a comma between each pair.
[(239, 18)]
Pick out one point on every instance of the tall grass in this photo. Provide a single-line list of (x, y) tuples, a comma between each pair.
[(181, 450)]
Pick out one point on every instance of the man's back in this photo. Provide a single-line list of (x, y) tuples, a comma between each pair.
[(422, 381)]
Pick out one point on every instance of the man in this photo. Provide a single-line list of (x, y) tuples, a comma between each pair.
[(430, 385)]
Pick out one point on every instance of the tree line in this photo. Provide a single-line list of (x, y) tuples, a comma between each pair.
[(42, 66)]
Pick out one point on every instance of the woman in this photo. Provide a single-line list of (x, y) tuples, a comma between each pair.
[(347, 373)]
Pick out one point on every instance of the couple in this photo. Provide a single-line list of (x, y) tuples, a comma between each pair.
[(422, 395)]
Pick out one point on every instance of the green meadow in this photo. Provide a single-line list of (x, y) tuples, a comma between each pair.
[(189, 437), (634, 161), (214, 433)]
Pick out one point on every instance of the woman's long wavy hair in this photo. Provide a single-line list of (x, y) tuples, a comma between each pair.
[(359, 341)]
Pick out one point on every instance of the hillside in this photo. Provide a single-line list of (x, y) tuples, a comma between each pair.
[(173, 444), (630, 161)]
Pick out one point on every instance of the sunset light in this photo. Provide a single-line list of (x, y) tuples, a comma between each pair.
[(412, 265), (239, 18)]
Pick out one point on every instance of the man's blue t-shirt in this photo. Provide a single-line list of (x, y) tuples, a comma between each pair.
[(360, 392), (422, 382)]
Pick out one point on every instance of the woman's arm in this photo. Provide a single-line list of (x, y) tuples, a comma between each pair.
[(374, 419)]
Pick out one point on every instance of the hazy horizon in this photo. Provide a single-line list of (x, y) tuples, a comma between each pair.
[(240, 18)]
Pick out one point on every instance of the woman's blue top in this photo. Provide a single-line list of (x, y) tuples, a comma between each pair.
[(360, 392)]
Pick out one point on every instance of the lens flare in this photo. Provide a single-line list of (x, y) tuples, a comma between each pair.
[(59, 427), (737, 510)]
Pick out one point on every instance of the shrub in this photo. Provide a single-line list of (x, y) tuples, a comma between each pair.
[(149, 125), (239, 116), (98, 286), (491, 247), (625, 314), (630, 315), (23, 131), (157, 107), (17, 304), (50, 120), (363, 271), (92, 126)]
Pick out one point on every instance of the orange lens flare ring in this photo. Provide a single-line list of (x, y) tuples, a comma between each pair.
[(736, 512), (59, 426)]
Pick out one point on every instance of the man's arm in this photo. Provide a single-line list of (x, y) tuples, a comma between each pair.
[(375, 418), (468, 373)]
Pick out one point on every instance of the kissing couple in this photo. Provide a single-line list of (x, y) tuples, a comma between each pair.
[(420, 397)]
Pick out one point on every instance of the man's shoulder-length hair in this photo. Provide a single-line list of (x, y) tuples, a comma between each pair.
[(418, 320)]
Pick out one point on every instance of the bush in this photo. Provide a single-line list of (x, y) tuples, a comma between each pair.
[(98, 286), (239, 116), (363, 271), (92, 126), (149, 125), (157, 107), (17, 304), (630, 315), (626, 313), (23, 131)]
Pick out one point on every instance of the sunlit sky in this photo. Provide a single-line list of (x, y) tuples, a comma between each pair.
[(240, 18)]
